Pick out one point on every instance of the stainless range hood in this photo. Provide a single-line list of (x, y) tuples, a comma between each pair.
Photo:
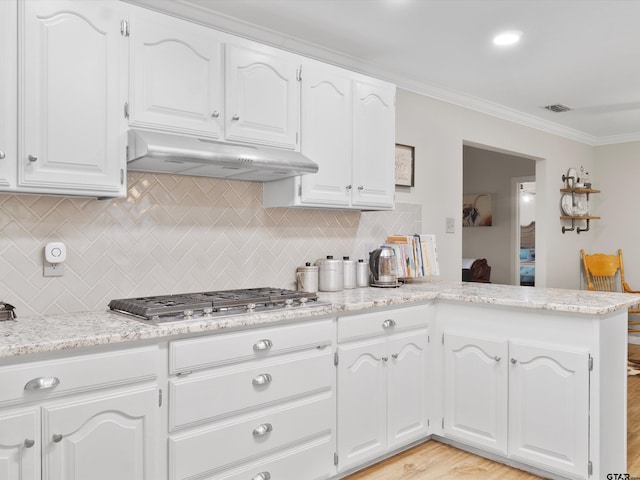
[(179, 154)]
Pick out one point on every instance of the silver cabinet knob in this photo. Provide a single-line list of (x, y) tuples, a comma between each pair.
[(348, 187), (215, 114), (262, 379), (262, 476), (514, 361), (262, 429), (497, 358), (264, 344), (360, 187), (388, 323), (28, 443), (33, 158), (236, 117), (384, 359), (2, 155), (394, 356), (42, 383), (57, 437)]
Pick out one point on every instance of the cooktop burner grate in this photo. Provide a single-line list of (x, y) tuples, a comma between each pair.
[(184, 306)]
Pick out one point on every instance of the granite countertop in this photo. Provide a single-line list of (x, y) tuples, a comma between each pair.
[(84, 329)]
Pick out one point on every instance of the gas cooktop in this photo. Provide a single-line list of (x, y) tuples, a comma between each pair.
[(205, 305)]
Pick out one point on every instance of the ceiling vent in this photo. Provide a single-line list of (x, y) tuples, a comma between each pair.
[(558, 108)]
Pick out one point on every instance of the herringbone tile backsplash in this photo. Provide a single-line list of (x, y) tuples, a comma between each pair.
[(172, 234)]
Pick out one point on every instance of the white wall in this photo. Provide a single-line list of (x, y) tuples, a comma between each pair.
[(617, 176), (438, 130)]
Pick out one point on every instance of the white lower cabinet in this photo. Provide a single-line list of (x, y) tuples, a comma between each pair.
[(51, 431), (267, 410), (19, 455), (528, 402), (382, 383)]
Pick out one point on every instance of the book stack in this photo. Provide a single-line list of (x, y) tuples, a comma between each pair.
[(416, 255)]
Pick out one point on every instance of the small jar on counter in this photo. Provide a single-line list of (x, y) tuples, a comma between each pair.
[(362, 273), (307, 278), (349, 270)]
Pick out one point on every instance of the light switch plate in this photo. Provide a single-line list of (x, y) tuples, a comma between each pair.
[(451, 225)]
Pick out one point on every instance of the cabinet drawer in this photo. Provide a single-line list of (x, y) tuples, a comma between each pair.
[(76, 374), (204, 352), (203, 397), (206, 450), (377, 323), (307, 462)]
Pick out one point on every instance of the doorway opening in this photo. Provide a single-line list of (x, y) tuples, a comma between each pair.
[(526, 230)]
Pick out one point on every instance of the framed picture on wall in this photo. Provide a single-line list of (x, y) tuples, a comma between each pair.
[(405, 165), (476, 210)]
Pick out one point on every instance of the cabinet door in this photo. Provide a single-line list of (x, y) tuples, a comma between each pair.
[(374, 145), (20, 445), (406, 388), (475, 391), (262, 97), (549, 408), (326, 139), (8, 93), (362, 405), (102, 437), (72, 138), (175, 79)]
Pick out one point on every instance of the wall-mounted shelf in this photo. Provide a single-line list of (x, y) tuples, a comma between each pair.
[(569, 181)]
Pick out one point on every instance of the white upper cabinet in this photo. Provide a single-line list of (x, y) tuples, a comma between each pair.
[(175, 75), (326, 126), (8, 93), (71, 135), (348, 129), (374, 125), (262, 96)]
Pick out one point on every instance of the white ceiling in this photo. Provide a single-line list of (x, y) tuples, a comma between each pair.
[(580, 53)]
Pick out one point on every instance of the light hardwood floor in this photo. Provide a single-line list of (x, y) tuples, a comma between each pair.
[(437, 461)]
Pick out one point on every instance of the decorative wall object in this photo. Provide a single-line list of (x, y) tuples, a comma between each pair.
[(476, 210), (405, 165)]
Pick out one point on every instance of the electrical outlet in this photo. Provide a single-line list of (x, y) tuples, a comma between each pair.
[(451, 225)]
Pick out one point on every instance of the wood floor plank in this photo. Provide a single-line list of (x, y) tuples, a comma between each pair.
[(437, 461)]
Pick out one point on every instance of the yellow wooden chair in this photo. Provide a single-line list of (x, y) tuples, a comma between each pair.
[(601, 273)]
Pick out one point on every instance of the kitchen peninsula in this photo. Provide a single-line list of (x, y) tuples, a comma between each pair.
[(527, 376)]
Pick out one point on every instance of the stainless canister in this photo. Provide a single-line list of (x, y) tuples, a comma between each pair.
[(349, 271), (362, 273), (307, 278), (330, 274)]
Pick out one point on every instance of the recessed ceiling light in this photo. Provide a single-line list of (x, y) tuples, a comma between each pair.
[(507, 38)]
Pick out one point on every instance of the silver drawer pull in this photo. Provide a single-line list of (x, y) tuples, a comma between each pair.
[(265, 344), (263, 429), (28, 443), (2, 155), (389, 323), (262, 476), (57, 437), (42, 383), (262, 379)]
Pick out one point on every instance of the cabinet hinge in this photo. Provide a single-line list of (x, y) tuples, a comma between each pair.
[(428, 339), (428, 423), (124, 28), (442, 423), (590, 468), (299, 73), (335, 359), (160, 397), (443, 338), (590, 363), (122, 175), (300, 190), (335, 458), (126, 109)]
